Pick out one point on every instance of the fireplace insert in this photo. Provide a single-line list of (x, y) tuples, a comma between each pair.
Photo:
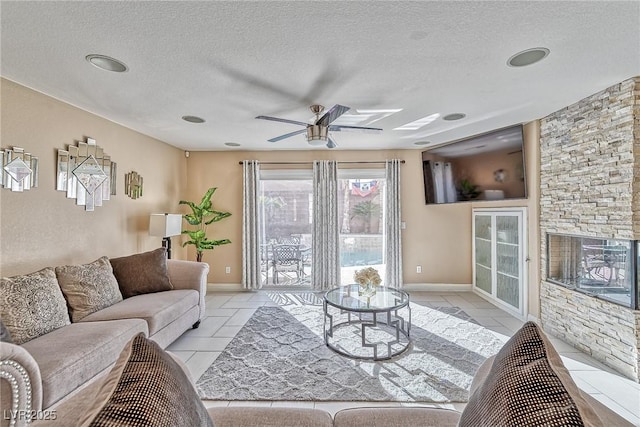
[(604, 268)]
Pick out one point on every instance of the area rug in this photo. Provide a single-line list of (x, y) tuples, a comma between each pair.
[(280, 355)]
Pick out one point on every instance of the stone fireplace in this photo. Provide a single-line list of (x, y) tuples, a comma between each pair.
[(589, 225)]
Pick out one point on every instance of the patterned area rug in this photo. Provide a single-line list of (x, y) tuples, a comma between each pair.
[(280, 355)]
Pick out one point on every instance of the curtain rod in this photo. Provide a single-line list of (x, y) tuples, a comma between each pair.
[(308, 163)]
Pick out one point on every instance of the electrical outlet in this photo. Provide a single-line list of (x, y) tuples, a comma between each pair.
[(403, 225), (227, 270), (418, 269)]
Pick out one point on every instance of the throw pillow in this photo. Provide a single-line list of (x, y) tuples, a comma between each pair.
[(528, 385), (142, 273), (88, 287), (5, 335), (146, 387), (32, 305)]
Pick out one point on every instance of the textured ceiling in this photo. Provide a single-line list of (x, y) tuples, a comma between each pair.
[(231, 61)]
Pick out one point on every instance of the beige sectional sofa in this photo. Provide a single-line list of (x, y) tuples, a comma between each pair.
[(63, 362), (525, 384)]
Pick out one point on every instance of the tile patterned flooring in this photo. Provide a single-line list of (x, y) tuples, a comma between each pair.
[(227, 312)]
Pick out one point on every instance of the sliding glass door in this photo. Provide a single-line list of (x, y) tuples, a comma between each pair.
[(286, 202), (286, 222), (361, 216)]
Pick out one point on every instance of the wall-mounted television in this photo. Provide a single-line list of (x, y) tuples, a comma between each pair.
[(489, 166)]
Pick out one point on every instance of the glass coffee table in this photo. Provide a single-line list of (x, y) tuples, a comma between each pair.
[(369, 328)]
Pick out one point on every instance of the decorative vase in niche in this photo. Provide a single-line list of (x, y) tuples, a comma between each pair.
[(367, 289)]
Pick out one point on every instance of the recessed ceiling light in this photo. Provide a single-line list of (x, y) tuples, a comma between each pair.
[(417, 124), (454, 116), (422, 143), (232, 144), (107, 63), (528, 57), (193, 119)]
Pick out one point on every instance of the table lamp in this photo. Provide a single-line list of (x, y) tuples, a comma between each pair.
[(165, 225)]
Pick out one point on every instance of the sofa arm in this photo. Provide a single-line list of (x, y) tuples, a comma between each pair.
[(189, 275), (21, 383)]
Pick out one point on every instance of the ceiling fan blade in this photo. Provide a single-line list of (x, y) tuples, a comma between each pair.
[(277, 119), (331, 143), (287, 135), (339, 128), (335, 112)]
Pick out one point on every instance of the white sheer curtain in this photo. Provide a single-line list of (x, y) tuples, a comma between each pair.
[(449, 186), (437, 172), (393, 225), (251, 277), (326, 246)]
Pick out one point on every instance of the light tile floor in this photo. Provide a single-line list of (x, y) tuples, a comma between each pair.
[(228, 312)]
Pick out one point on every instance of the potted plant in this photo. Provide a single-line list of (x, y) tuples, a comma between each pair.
[(467, 190), (201, 216)]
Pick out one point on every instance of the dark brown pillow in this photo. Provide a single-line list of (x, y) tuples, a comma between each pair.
[(528, 386), (146, 387), (142, 273)]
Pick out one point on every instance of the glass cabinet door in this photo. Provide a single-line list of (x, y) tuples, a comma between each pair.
[(508, 260), (483, 259), (498, 257)]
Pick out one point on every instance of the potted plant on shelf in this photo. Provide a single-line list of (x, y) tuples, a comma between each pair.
[(201, 216), (467, 190)]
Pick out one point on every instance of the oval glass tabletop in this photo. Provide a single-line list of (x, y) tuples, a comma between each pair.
[(347, 297)]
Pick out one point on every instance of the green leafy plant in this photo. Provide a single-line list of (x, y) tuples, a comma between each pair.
[(365, 210), (201, 216), (468, 191)]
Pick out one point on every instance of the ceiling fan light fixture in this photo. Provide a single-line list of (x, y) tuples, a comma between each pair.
[(317, 135)]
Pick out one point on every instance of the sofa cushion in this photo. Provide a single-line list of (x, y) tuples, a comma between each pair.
[(142, 273), (88, 287), (32, 305), (157, 309), (239, 416), (70, 356), (528, 385), (396, 417), (146, 387)]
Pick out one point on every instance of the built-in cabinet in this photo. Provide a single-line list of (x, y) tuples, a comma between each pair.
[(499, 267)]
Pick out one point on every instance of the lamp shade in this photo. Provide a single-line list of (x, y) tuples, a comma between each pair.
[(165, 225)]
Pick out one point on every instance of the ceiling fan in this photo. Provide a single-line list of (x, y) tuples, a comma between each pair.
[(318, 132)]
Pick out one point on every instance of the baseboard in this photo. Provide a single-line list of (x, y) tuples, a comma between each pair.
[(224, 287), (534, 319), (437, 287), (415, 287)]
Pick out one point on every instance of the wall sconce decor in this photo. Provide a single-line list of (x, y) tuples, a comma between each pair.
[(18, 170), (88, 165), (133, 185)]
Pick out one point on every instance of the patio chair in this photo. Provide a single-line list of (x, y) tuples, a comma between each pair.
[(286, 259)]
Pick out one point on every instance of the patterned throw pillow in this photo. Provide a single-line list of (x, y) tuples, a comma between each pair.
[(146, 387), (89, 287), (142, 273), (32, 305), (528, 386), (5, 335)]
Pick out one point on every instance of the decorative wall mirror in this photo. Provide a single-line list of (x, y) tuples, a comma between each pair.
[(18, 170), (86, 173), (133, 185)]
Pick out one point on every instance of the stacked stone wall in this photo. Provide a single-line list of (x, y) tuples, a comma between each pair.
[(590, 187)]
